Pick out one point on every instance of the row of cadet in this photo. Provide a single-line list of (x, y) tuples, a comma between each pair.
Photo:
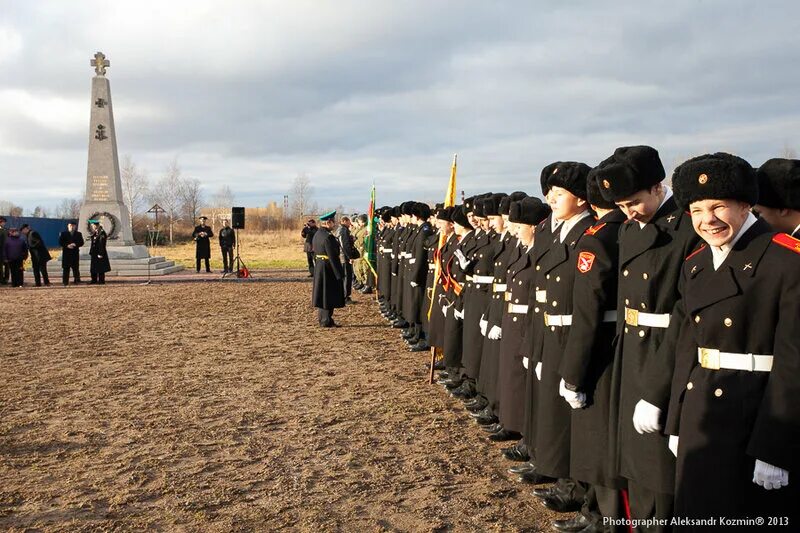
[(635, 343)]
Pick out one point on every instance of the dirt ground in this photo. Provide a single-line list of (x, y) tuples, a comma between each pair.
[(214, 406)]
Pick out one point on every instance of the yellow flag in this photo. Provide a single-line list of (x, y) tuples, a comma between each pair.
[(449, 201)]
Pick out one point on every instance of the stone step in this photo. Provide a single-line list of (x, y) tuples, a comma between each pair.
[(139, 273), (129, 265), (141, 261)]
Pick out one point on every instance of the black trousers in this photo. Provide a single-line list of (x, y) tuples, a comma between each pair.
[(599, 502), (648, 504), (310, 259), (17, 274), (39, 271), (98, 277), (227, 259), (325, 316), (348, 278), (76, 274), (208, 267)]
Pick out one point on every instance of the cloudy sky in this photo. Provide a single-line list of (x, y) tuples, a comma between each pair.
[(250, 94)]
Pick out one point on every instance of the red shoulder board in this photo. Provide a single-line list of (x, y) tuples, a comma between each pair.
[(702, 247), (594, 229), (787, 241)]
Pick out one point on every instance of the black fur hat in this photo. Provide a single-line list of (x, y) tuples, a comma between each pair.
[(478, 210), (545, 176), (445, 213), (593, 194), (387, 215), (469, 204), (491, 204), (717, 176), (529, 210), (407, 208), (629, 170), (422, 211), (570, 175), (459, 216), (505, 203), (779, 184), (397, 211)]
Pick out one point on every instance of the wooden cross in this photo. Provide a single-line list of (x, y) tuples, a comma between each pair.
[(100, 63)]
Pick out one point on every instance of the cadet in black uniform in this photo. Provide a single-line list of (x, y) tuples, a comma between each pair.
[(779, 195), (734, 410), (652, 246)]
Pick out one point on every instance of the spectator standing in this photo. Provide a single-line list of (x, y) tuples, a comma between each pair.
[(39, 253)]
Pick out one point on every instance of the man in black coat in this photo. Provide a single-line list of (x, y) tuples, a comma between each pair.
[(417, 274), (733, 411), (4, 271), (653, 244), (227, 242), (348, 253), (587, 363), (307, 233), (98, 255), (202, 236), (779, 195), (70, 242), (328, 289), (40, 255)]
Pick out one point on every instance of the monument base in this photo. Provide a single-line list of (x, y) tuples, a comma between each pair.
[(130, 266)]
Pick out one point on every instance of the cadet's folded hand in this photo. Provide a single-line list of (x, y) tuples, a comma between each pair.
[(645, 417), (525, 362), (769, 476), (495, 333), (483, 323), (576, 400), (458, 314), (673, 445), (538, 370), (414, 284)]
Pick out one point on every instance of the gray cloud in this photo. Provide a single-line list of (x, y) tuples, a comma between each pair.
[(349, 92)]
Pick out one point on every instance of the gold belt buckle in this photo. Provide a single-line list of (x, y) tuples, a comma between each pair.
[(709, 358), (547, 320), (508, 296), (631, 316)]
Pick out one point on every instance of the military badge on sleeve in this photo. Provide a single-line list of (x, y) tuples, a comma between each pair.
[(585, 261)]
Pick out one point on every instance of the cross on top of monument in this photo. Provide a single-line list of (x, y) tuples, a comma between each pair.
[(100, 63)]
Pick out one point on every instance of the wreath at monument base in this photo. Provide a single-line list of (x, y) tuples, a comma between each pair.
[(111, 231)]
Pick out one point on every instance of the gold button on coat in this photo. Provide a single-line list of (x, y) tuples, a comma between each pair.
[(728, 322), (645, 276), (626, 330), (718, 393), (689, 386), (627, 301), (641, 333), (555, 303), (624, 272), (697, 319)]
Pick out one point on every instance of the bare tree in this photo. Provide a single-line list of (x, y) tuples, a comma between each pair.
[(134, 186), (10, 209), (300, 195), (788, 151), (39, 212), (191, 198), (168, 193), (221, 203), (69, 208)]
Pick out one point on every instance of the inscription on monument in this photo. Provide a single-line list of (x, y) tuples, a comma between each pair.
[(101, 189)]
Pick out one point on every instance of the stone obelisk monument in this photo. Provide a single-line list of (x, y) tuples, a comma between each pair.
[(104, 201)]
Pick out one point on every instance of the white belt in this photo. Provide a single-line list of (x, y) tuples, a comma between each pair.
[(386, 250), (404, 255), (634, 318), (519, 309), (499, 287), (488, 280), (566, 320), (431, 266), (412, 260), (714, 360), (541, 297)]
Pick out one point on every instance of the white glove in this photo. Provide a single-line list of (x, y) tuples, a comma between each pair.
[(645, 417), (525, 362), (458, 314), (673, 445), (538, 370), (576, 400), (770, 477), (483, 323), (496, 333), (444, 310), (462, 260), (414, 284)]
